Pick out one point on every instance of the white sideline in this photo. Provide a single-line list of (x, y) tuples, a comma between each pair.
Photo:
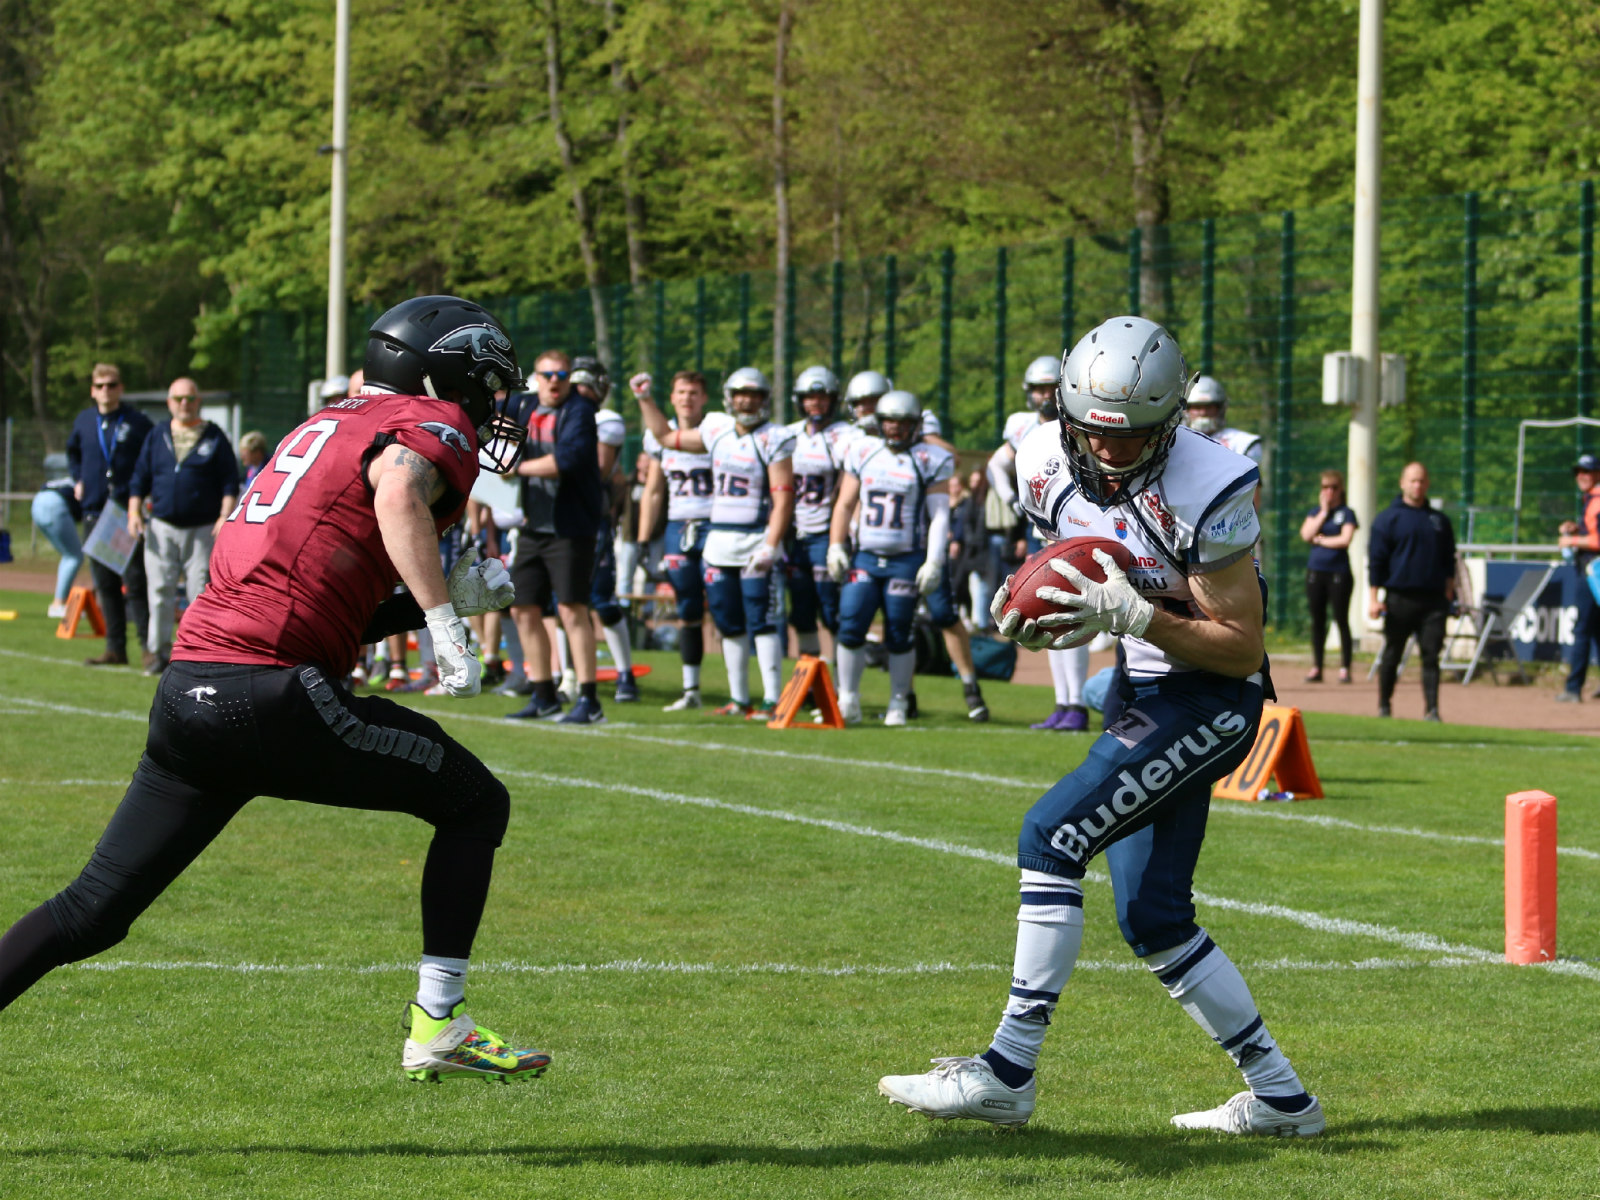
[(1309, 920), (645, 967)]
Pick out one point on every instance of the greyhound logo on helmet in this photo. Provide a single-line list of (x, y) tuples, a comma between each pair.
[(481, 343)]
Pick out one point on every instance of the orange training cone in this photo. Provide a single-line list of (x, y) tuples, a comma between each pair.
[(81, 603)]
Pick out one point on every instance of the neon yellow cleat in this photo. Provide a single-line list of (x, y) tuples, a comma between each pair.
[(454, 1047)]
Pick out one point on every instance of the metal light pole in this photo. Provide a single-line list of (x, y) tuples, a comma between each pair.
[(1362, 461), (335, 362)]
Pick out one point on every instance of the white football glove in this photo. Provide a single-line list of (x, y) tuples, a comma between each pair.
[(839, 562), (479, 587), (1114, 606), (640, 383), (761, 561), (459, 668), (928, 575)]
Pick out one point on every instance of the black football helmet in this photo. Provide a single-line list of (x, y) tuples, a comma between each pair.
[(451, 349)]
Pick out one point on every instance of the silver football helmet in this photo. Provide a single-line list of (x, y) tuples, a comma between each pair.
[(591, 373), (817, 381), (1042, 372), (1124, 378), (862, 396), (1210, 393), (748, 379), (904, 409)]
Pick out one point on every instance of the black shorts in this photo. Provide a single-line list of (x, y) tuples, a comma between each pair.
[(549, 568)]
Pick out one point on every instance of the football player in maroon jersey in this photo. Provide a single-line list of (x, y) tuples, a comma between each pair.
[(254, 704)]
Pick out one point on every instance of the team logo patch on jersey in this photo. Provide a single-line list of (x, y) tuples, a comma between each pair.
[(482, 343), (1121, 527), (1037, 486), (1159, 511), (449, 435)]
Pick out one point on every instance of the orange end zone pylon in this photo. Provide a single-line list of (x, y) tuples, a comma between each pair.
[(81, 603), (810, 685), (1281, 751), (1530, 877)]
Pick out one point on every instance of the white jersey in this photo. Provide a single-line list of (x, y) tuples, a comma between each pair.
[(689, 483), (741, 500), (817, 460), (894, 492), (1240, 442), (1018, 426), (930, 424), (1199, 516), (609, 427)]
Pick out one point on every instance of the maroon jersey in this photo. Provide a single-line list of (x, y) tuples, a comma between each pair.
[(300, 568)]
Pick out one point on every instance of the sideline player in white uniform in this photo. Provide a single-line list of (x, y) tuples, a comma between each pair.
[(821, 438), (1208, 414), (1069, 669), (901, 482), (750, 514), (685, 479), (1183, 714)]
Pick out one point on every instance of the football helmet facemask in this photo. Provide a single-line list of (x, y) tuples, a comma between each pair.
[(817, 383), (451, 349), (1208, 393), (1043, 372), (862, 395), (1124, 379)]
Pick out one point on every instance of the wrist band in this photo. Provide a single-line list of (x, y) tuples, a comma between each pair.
[(781, 487)]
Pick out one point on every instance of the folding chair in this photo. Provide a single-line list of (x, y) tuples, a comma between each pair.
[(1495, 618)]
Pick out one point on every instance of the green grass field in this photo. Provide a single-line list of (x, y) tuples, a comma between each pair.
[(724, 935)]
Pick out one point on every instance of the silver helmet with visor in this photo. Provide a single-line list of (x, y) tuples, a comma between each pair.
[(1042, 372), (905, 411), (1126, 378)]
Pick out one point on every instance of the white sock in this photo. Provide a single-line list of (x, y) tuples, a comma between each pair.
[(901, 668), (1049, 935), (769, 653), (1076, 662), (810, 643), (852, 665), (441, 984), (1201, 978), (564, 654), (691, 677), (617, 642), (1058, 674), (736, 654)]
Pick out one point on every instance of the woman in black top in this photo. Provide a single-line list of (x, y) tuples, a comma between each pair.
[(1329, 528)]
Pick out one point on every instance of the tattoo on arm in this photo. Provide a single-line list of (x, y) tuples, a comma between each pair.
[(422, 476)]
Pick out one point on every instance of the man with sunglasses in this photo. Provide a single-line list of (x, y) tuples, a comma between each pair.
[(101, 451), (563, 503)]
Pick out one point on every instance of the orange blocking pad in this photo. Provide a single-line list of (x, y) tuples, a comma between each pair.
[(810, 686), (1281, 751), (81, 603), (1530, 877)]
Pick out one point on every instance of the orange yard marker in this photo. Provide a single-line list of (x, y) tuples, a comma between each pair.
[(809, 685), (81, 603), (1281, 751), (1530, 877)]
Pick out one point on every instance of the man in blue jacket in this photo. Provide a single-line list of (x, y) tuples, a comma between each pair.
[(101, 450), (188, 472), (563, 504), (1412, 559)]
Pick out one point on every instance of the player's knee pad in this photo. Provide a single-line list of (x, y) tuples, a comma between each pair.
[(474, 803), (609, 612)]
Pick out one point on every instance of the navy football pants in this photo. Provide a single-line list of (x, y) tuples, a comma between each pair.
[(812, 592), (890, 582)]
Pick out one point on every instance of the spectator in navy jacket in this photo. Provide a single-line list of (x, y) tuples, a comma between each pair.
[(188, 473), (101, 450), (563, 504), (1329, 529), (1412, 559)]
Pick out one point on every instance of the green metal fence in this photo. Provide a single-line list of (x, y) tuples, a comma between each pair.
[(1489, 296)]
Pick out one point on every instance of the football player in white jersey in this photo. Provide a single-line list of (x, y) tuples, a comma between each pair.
[(1183, 714), (821, 437), (901, 482), (685, 481), (864, 391), (1208, 414), (1069, 669), (751, 508)]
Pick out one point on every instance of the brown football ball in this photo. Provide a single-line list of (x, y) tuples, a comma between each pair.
[(1035, 573)]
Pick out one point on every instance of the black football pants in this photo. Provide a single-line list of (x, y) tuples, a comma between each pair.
[(222, 734), (1408, 613)]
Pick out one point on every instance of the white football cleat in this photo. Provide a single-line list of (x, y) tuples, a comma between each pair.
[(960, 1087), (897, 714), (850, 708), (1245, 1114), (690, 699)]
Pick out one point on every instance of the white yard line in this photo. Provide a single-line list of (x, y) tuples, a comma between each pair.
[(73, 710)]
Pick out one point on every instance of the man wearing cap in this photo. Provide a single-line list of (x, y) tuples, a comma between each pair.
[(1583, 536)]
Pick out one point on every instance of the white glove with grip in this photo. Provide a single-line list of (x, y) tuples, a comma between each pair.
[(640, 383), (928, 576), (479, 587), (1114, 606), (459, 668), (761, 561), (1031, 635), (839, 562)]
